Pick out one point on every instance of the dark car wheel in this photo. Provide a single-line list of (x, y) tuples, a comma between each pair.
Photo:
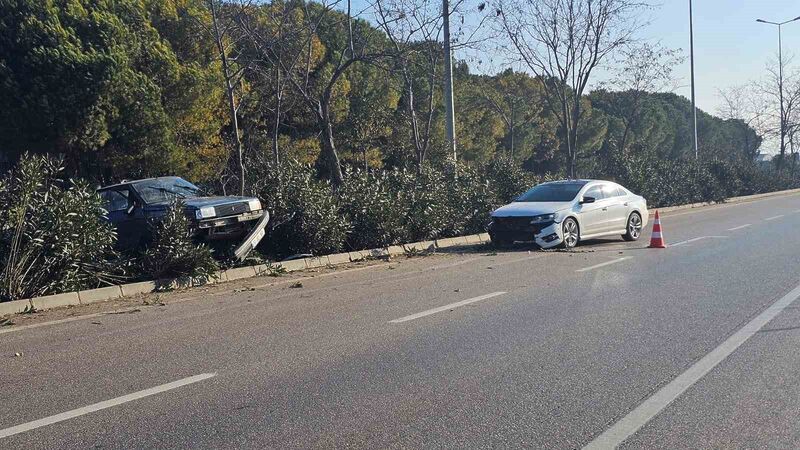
[(572, 233), (634, 228)]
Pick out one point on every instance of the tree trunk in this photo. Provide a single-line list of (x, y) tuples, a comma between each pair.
[(328, 145), (230, 90), (276, 126), (512, 127), (237, 137)]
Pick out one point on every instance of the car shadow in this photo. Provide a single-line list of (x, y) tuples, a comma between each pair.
[(588, 246)]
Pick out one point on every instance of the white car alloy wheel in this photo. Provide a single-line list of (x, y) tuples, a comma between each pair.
[(571, 233), (634, 229)]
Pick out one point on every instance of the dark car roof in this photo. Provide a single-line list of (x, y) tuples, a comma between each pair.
[(130, 182)]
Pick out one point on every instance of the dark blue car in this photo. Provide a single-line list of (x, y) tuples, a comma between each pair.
[(131, 205)]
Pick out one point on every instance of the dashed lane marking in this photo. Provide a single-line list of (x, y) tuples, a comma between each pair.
[(446, 307), (607, 263), (22, 428)]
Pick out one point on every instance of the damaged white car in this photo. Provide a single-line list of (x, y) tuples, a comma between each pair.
[(563, 213)]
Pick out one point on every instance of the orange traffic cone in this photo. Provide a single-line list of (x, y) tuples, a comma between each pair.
[(657, 241)]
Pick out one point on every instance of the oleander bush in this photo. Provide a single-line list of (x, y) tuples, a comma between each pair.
[(52, 235), (305, 212), (666, 183), (172, 253)]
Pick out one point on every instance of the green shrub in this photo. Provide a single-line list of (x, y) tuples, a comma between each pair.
[(508, 179), (52, 235), (172, 252), (376, 209), (305, 213)]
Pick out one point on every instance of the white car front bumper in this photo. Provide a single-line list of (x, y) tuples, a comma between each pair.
[(550, 237)]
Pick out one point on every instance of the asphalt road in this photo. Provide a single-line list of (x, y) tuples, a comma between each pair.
[(693, 346)]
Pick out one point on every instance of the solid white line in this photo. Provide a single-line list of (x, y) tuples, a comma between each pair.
[(446, 307), (607, 263), (774, 217), (740, 227), (636, 419), (102, 405)]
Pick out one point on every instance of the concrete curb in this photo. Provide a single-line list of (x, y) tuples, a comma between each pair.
[(146, 287)]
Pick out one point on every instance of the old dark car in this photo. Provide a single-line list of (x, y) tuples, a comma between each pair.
[(132, 205)]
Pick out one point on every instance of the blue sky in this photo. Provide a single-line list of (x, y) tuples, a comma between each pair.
[(730, 47)]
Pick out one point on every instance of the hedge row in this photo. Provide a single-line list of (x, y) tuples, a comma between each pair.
[(52, 238)]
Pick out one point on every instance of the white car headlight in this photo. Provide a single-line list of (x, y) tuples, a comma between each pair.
[(255, 205), (543, 218), (205, 213)]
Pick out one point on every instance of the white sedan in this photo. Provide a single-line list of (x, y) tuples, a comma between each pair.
[(569, 211)]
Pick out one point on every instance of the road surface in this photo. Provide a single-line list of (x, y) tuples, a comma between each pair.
[(693, 346)]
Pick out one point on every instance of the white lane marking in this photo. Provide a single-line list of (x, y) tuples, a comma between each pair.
[(740, 227), (774, 217), (689, 241), (446, 307), (636, 419), (102, 405), (607, 263), (685, 242)]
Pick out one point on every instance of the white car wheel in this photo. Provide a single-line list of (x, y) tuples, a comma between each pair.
[(634, 229), (571, 233)]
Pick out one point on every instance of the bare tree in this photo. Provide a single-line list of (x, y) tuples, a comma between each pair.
[(414, 29), (222, 31), (639, 70), (745, 104), (299, 70), (563, 42), (780, 107), (271, 32)]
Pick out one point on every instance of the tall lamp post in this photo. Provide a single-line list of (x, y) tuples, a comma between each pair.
[(780, 81), (691, 63), (450, 123)]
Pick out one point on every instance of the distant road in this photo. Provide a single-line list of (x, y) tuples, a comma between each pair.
[(693, 346)]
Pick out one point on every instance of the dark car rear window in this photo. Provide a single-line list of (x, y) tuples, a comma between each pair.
[(551, 192)]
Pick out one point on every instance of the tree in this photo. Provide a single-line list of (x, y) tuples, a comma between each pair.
[(640, 69), (348, 41), (414, 28), (222, 26), (563, 42), (120, 89), (743, 104), (516, 98), (783, 94)]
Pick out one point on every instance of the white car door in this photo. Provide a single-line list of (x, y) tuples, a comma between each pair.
[(592, 215), (616, 214)]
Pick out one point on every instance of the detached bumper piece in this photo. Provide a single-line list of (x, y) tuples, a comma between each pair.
[(252, 239)]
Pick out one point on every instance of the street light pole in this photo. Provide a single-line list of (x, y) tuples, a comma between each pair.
[(780, 83), (691, 63), (450, 122)]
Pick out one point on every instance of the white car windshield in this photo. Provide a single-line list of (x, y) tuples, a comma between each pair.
[(551, 192)]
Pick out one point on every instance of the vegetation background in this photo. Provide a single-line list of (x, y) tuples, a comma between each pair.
[(333, 117)]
